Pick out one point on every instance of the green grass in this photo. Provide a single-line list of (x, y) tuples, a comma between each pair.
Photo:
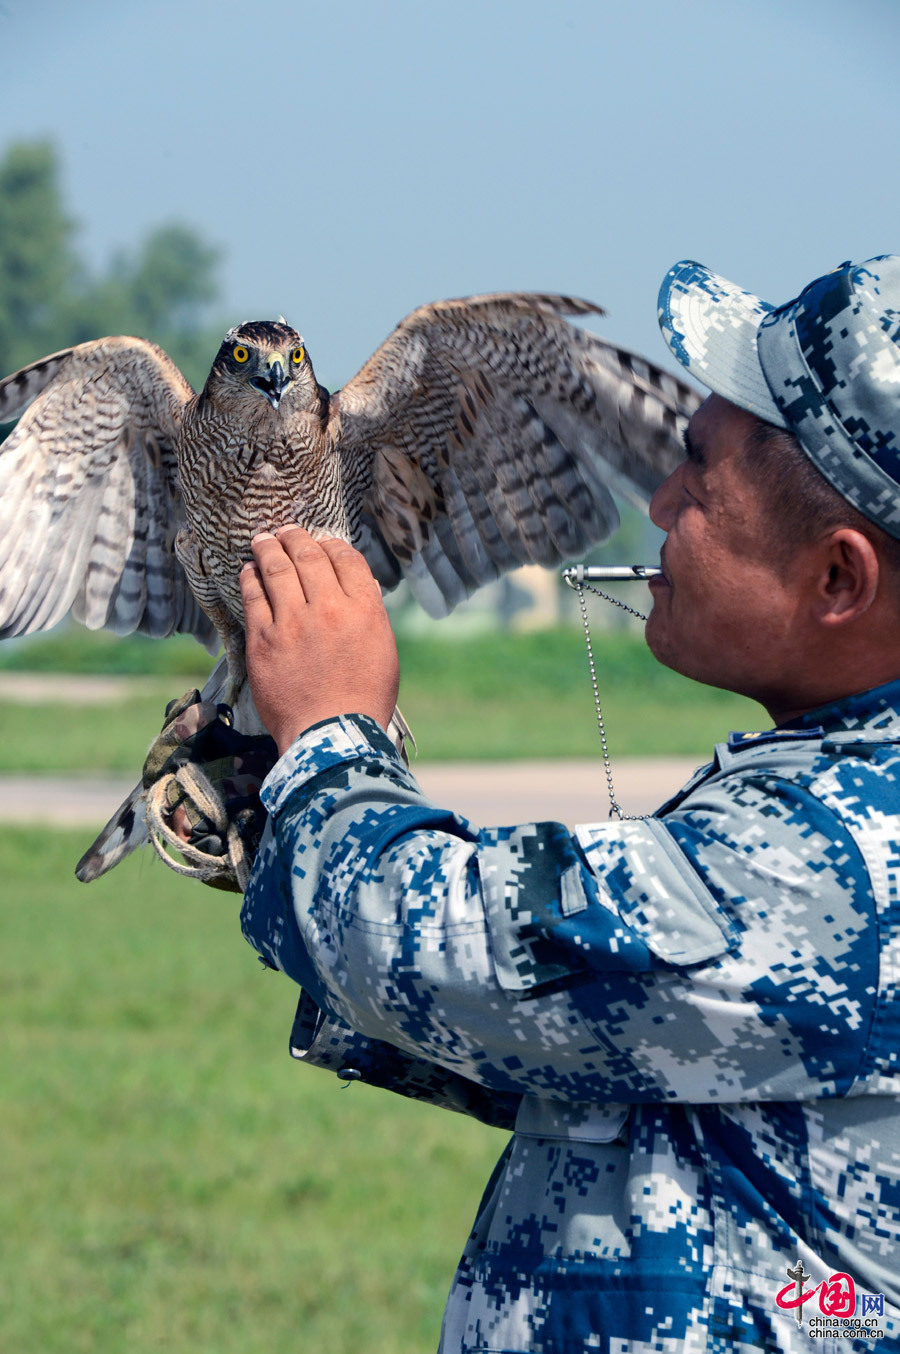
[(490, 696), (71, 648), (111, 737), (172, 1180), (529, 695)]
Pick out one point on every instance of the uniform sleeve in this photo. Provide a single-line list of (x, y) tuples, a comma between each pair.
[(724, 952), (326, 1042)]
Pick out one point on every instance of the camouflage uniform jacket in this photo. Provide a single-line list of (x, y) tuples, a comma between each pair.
[(691, 1021)]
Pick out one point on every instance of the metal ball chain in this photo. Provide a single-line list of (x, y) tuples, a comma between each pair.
[(615, 809)]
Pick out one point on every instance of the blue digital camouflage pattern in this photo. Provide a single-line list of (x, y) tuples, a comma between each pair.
[(826, 365), (691, 1021)]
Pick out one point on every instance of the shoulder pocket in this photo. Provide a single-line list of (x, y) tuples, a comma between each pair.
[(620, 897), (643, 875)]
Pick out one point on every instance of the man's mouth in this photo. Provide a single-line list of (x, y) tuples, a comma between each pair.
[(661, 580)]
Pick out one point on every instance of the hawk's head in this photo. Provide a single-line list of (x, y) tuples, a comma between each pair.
[(263, 359)]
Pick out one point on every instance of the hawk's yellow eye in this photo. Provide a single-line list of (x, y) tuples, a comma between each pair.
[(297, 356), (240, 353)]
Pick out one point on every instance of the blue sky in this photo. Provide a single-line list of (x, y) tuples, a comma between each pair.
[(353, 160)]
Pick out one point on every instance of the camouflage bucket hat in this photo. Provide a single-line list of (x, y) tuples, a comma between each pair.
[(826, 366)]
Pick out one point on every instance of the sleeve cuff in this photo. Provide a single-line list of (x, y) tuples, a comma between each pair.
[(322, 1040), (346, 738)]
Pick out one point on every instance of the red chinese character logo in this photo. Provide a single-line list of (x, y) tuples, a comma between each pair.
[(837, 1293), (797, 1296), (837, 1296)]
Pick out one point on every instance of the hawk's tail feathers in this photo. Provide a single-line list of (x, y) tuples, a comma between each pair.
[(124, 833)]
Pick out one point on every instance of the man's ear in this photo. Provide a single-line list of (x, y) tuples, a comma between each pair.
[(848, 576)]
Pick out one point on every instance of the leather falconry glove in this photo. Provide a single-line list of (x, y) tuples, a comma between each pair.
[(201, 764)]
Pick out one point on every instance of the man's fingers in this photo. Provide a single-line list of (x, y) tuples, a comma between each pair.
[(312, 563), (278, 576), (257, 607), (326, 564), (181, 824), (350, 568), (319, 642), (293, 571)]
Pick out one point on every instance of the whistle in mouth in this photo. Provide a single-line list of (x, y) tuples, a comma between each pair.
[(615, 573)]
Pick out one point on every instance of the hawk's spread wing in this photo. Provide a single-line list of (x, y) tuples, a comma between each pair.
[(89, 497), (487, 432)]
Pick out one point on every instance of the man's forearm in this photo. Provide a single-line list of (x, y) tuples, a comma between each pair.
[(593, 966)]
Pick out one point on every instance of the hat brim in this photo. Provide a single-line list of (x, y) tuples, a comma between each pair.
[(711, 327)]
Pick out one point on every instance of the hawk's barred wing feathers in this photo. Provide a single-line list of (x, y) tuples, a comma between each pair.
[(487, 432), (484, 433), (89, 497)]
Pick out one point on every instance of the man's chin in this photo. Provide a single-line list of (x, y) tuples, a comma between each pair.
[(668, 651), (658, 642)]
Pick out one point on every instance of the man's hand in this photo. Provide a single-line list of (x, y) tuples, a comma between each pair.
[(319, 642)]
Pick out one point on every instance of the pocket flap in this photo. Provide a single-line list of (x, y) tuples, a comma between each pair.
[(618, 897), (643, 875), (538, 1118)]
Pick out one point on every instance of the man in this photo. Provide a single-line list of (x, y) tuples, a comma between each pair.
[(692, 1021)]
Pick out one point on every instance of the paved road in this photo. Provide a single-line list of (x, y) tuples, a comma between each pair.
[(488, 793), (572, 791), (74, 688), (565, 791)]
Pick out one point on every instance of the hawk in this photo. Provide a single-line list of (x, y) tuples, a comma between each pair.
[(483, 434)]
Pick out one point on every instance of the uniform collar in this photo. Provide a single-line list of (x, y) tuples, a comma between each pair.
[(878, 708), (875, 710)]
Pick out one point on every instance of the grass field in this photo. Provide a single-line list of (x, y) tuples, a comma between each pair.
[(488, 696), (171, 1179)]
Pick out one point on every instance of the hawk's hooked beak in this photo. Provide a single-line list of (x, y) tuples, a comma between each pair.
[(273, 383)]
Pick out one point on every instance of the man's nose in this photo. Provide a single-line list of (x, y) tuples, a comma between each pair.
[(662, 504)]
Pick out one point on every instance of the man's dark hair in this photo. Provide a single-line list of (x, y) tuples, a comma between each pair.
[(801, 503)]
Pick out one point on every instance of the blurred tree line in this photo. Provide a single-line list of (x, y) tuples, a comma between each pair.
[(163, 289)]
